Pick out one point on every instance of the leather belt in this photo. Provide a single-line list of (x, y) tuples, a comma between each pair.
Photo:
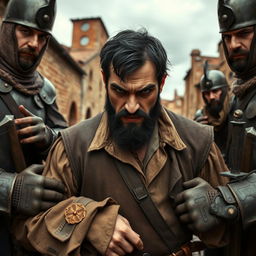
[(189, 248), (186, 249)]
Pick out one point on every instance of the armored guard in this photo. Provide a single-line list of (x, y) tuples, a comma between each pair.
[(214, 89), (235, 203), (30, 99)]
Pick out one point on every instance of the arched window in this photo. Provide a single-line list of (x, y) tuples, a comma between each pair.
[(88, 113), (72, 118)]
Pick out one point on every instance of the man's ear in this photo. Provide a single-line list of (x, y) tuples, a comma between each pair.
[(162, 83)]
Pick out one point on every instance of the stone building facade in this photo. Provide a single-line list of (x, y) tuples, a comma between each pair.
[(68, 78), (89, 35)]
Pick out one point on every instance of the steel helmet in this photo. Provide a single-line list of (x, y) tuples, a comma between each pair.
[(212, 79), (37, 14), (236, 14), (233, 15)]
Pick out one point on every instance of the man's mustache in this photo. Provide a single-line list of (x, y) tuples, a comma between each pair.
[(29, 51), (214, 102), (125, 113), (238, 52)]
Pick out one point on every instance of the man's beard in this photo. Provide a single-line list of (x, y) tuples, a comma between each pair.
[(214, 107), (132, 136), (27, 61), (238, 64)]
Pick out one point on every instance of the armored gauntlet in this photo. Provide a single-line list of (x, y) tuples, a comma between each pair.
[(7, 181), (193, 205), (238, 197), (34, 193)]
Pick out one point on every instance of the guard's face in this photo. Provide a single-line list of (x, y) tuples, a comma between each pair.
[(213, 95), (139, 91), (214, 100), (238, 43), (30, 43)]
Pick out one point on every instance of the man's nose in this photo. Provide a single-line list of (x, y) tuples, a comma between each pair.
[(235, 42), (212, 96), (132, 105), (34, 41)]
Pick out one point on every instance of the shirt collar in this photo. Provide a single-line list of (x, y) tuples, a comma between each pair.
[(167, 133)]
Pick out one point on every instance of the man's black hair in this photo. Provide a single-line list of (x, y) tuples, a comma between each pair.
[(129, 50)]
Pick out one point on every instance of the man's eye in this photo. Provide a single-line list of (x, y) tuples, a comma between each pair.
[(245, 33), (119, 91), (226, 37), (145, 92), (43, 37), (25, 31)]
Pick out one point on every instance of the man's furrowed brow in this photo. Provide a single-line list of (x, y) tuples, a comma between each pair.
[(116, 86), (148, 87)]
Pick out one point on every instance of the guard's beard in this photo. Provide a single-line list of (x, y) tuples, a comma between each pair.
[(27, 57), (239, 64), (132, 136), (214, 107)]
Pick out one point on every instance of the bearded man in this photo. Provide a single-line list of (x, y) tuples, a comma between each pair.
[(31, 99), (129, 163), (215, 93)]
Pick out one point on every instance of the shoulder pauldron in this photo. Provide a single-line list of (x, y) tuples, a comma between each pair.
[(48, 92)]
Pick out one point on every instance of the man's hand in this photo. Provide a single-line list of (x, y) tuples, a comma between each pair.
[(124, 239), (33, 129), (33, 193), (202, 119), (193, 205)]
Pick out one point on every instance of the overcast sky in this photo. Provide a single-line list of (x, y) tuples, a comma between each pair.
[(181, 25)]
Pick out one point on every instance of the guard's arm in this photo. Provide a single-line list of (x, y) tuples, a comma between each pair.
[(202, 207), (28, 192)]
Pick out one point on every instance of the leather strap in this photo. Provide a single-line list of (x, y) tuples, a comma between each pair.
[(64, 230), (141, 195), (11, 104), (189, 248)]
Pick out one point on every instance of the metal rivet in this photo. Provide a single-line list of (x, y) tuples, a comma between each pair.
[(231, 211), (46, 17), (224, 17), (238, 113)]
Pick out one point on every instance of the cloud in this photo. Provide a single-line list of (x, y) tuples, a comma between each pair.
[(180, 25)]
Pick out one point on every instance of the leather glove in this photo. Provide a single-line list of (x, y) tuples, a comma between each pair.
[(32, 129), (193, 205), (33, 193)]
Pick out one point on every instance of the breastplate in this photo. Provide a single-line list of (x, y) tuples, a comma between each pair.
[(248, 107), (32, 102)]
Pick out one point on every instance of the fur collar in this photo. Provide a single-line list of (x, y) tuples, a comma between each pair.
[(241, 88)]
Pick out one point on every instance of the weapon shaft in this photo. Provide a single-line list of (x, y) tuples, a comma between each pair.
[(235, 154), (236, 146), (16, 150)]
